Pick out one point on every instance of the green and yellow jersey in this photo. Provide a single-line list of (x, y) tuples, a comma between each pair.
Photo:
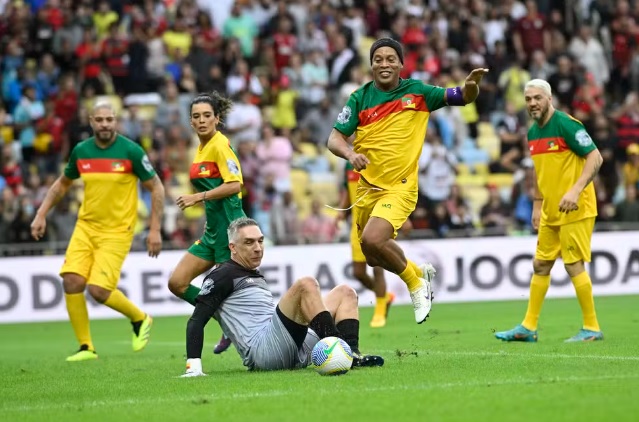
[(214, 164), (390, 129), (110, 177), (558, 150)]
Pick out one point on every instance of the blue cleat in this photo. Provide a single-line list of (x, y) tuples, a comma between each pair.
[(585, 335), (519, 333)]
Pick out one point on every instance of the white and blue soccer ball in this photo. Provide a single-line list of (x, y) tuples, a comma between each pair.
[(332, 356)]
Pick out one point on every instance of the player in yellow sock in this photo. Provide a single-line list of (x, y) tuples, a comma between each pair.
[(377, 283), (79, 317), (566, 161), (111, 167)]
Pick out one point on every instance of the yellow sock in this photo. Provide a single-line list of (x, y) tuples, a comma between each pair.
[(583, 288), (538, 288), (418, 272), (79, 317), (117, 301), (410, 278), (380, 306)]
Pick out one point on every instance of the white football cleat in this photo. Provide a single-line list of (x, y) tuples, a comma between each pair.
[(193, 368), (422, 297), (190, 374)]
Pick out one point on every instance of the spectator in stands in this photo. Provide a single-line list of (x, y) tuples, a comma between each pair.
[(631, 166), (531, 33), (590, 55), (627, 211), (244, 122), (512, 139), (436, 171), (495, 214), (274, 153), (318, 227), (285, 224)]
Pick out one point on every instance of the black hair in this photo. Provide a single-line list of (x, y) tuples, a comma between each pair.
[(219, 103)]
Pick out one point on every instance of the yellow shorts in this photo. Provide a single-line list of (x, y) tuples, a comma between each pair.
[(356, 245), (96, 256), (393, 206), (570, 241)]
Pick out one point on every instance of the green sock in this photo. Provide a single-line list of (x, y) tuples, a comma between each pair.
[(190, 294)]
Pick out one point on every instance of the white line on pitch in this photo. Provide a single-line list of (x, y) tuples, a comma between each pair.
[(226, 397), (519, 354)]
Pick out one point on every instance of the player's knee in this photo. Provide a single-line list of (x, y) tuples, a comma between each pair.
[(307, 285), (542, 267), (100, 294), (73, 283), (346, 293), (575, 268), (177, 286)]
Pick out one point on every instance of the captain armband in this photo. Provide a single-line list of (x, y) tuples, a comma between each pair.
[(454, 96)]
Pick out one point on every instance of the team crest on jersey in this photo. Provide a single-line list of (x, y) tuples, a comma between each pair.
[(553, 146), (583, 138), (207, 286), (408, 101), (345, 115), (232, 165), (146, 163), (117, 166)]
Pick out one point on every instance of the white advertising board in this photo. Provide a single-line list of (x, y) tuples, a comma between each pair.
[(479, 269)]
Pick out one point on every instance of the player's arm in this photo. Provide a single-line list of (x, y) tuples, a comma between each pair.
[(229, 167), (56, 192), (594, 160), (344, 128), (580, 142), (217, 286), (144, 170), (154, 240), (538, 201)]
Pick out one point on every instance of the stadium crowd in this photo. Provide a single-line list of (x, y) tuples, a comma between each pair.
[(289, 66)]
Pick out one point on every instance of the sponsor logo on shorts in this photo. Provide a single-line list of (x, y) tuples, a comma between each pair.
[(386, 206)]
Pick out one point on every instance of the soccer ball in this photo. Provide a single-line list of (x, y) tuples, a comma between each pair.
[(332, 356)]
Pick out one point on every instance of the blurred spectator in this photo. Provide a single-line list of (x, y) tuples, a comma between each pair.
[(285, 225), (436, 171), (244, 121), (318, 227), (495, 214), (590, 54), (631, 167), (627, 211), (274, 154), (512, 138)]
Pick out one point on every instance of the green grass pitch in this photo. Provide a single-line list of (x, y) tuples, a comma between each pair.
[(448, 369)]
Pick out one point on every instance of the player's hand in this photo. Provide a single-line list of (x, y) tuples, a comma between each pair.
[(186, 201), (38, 226), (359, 161), (475, 77), (569, 202), (339, 217), (536, 215), (154, 243)]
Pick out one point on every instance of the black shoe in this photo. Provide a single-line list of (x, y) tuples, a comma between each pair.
[(362, 361)]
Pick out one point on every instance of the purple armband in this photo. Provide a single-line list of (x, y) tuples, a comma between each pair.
[(454, 97)]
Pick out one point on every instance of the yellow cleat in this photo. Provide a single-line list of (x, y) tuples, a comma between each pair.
[(378, 321), (142, 338), (83, 354)]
